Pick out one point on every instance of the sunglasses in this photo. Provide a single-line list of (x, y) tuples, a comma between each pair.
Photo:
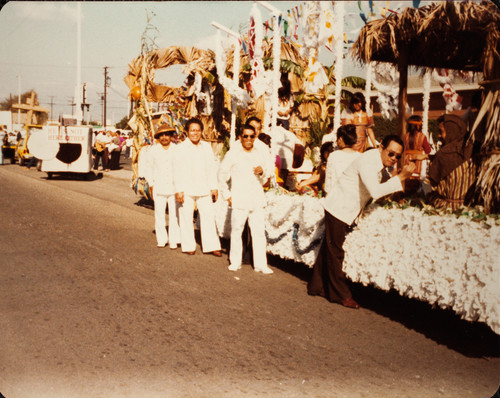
[(252, 136), (393, 154)]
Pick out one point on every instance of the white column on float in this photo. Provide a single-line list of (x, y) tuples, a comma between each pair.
[(339, 59), (236, 74)]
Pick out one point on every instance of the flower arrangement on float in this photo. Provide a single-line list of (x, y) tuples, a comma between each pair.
[(294, 225), (447, 259)]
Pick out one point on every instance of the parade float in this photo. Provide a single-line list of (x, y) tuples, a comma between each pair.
[(450, 260)]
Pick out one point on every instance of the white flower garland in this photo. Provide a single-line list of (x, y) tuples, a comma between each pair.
[(241, 97), (444, 77), (327, 23), (425, 103), (258, 81), (310, 27), (276, 74), (339, 60), (368, 85), (386, 81)]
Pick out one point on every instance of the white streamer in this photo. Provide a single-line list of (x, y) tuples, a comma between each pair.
[(368, 86), (241, 96), (339, 59)]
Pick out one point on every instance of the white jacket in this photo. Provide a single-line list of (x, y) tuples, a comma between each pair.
[(160, 175), (195, 170), (359, 183), (246, 190)]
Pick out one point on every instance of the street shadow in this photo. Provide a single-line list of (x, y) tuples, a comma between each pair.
[(146, 203), (67, 176), (444, 326)]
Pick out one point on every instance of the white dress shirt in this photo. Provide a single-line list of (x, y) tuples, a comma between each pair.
[(161, 169), (359, 183), (246, 190), (195, 170), (337, 162), (144, 162)]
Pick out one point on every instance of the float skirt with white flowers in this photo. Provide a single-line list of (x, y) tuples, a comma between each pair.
[(446, 260), (294, 225)]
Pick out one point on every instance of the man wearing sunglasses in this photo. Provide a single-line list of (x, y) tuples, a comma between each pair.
[(359, 183), (248, 170), (161, 187)]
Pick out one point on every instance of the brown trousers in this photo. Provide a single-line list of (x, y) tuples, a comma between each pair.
[(328, 280)]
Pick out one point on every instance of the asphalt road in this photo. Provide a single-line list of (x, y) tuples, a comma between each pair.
[(92, 308)]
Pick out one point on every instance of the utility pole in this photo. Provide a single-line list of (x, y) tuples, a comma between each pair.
[(51, 106), (72, 103), (101, 97), (107, 82), (84, 103), (19, 98)]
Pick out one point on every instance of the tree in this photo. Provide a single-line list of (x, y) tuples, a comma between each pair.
[(123, 124), (7, 103)]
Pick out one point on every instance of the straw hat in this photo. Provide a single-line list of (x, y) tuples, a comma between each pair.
[(165, 128)]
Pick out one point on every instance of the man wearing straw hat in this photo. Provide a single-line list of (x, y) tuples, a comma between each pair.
[(195, 179), (161, 187)]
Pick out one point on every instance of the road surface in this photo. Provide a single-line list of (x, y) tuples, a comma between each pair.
[(92, 308)]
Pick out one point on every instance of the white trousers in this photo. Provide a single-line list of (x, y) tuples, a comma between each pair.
[(173, 220), (209, 238), (257, 230)]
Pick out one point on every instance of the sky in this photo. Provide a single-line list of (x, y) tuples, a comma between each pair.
[(39, 41)]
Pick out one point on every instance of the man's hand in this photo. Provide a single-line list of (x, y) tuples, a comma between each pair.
[(407, 171), (215, 195), (230, 202), (179, 197), (258, 171)]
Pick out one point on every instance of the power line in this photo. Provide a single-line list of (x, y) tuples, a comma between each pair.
[(56, 66), (120, 94), (105, 86), (51, 106)]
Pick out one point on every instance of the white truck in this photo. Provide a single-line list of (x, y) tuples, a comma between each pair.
[(63, 149)]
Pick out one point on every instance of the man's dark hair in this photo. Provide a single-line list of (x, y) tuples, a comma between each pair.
[(246, 126), (253, 119), (266, 139), (327, 147), (348, 134), (193, 121), (392, 137)]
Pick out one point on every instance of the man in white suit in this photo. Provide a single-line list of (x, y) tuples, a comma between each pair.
[(160, 176), (248, 170), (195, 180)]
